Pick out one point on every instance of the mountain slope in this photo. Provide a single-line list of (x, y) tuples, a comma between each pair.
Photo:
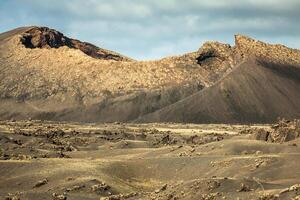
[(255, 91), (46, 75), (263, 86)]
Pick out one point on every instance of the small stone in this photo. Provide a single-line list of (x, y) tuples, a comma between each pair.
[(41, 183), (244, 188), (59, 196), (163, 188)]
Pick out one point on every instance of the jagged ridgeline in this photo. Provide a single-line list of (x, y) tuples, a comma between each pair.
[(43, 37), (46, 75)]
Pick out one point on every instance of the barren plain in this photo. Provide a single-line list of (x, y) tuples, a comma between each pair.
[(51, 160)]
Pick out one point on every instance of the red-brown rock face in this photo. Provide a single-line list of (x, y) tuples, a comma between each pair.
[(43, 37)]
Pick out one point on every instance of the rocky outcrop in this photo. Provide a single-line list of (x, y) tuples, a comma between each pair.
[(214, 50), (283, 131), (214, 55), (43, 37), (246, 47)]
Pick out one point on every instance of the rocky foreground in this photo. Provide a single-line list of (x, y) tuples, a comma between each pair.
[(47, 160)]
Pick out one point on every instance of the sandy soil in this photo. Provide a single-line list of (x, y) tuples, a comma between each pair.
[(47, 160)]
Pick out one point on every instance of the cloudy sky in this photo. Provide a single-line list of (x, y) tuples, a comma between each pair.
[(150, 29)]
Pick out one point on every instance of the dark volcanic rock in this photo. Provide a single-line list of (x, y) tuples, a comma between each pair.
[(261, 134), (283, 131), (43, 37)]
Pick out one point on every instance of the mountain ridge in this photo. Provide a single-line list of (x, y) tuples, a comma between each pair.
[(45, 75)]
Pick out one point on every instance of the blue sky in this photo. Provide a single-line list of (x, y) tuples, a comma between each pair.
[(151, 29)]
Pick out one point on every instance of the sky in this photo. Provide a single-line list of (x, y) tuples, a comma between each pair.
[(152, 29)]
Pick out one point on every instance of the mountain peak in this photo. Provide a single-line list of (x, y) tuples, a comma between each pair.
[(214, 54), (276, 53), (44, 37), (243, 39)]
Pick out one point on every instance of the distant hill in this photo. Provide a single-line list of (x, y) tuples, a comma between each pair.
[(46, 75)]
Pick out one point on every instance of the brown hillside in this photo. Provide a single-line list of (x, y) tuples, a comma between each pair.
[(46, 75), (263, 86), (255, 91)]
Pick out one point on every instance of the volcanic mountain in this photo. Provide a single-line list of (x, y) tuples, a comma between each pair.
[(46, 75)]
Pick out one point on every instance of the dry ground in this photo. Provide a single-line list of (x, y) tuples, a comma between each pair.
[(47, 160)]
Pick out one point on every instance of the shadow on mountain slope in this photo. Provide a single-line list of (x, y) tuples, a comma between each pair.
[(255, 91)]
